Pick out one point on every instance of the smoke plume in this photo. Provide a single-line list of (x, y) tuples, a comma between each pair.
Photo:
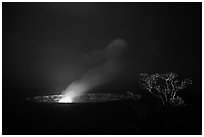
[(107, 66)]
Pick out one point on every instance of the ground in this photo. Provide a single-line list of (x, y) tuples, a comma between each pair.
[(113, 117)]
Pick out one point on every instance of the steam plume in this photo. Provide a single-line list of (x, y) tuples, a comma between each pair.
[(107, 67)]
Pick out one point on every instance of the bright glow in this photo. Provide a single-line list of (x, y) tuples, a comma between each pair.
[(66, 99)]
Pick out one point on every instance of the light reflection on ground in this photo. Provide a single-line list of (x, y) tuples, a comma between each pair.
[(90, 97), (66, 99)]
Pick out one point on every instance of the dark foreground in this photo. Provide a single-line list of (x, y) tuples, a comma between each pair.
[(115, 117)]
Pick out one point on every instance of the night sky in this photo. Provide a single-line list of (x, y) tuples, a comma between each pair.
[(44, 44)]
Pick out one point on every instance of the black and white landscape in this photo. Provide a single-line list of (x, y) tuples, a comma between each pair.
[(101, 68)]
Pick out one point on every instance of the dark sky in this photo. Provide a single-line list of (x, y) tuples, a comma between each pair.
[(44, 43)]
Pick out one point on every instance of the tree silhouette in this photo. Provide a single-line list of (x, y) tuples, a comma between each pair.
[(164, 86)]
